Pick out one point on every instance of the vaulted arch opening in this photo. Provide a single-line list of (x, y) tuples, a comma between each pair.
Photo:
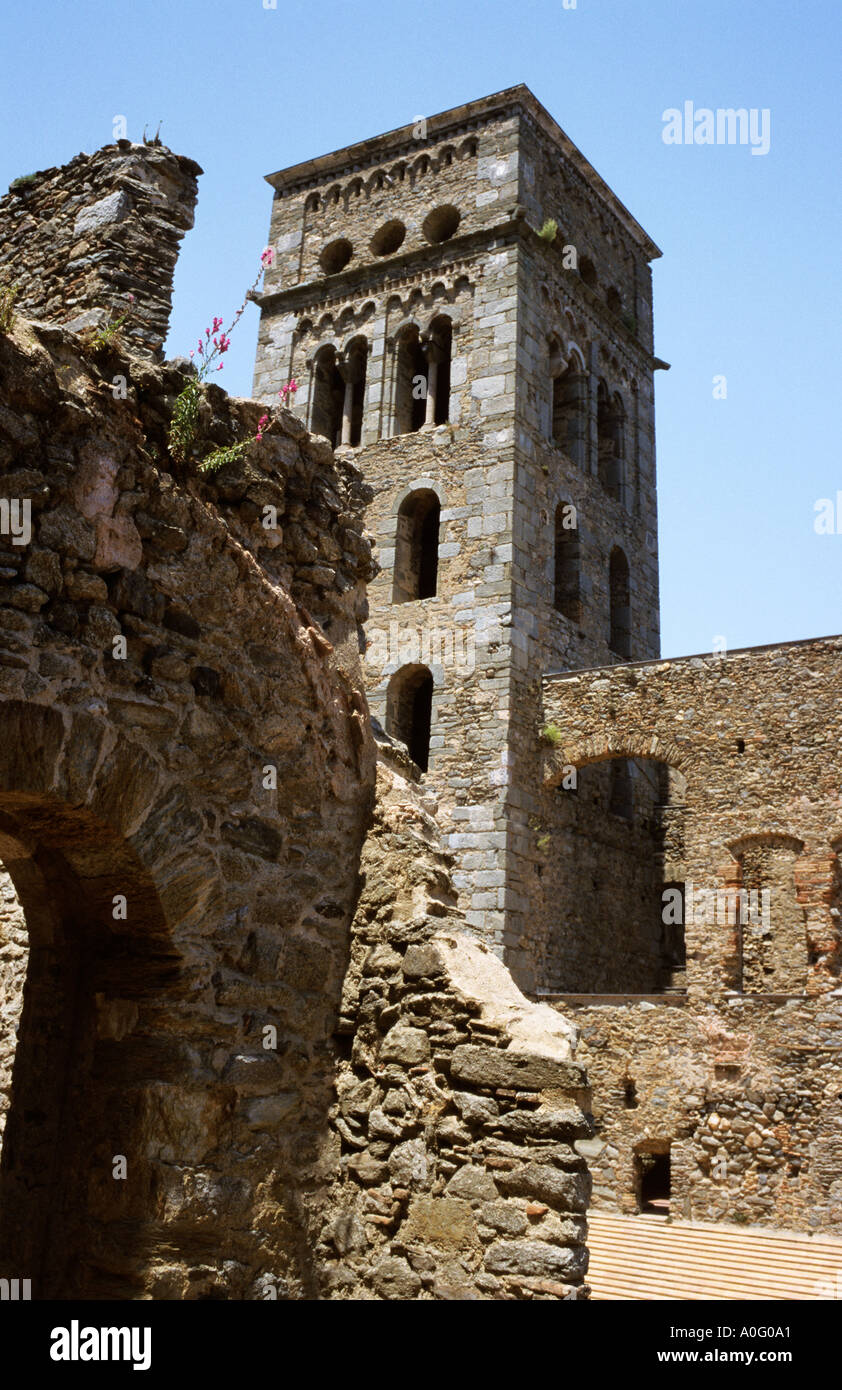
[(438, 350), (417, 547), (611, 434), (76, 1184), (568, 404), (353, 372)]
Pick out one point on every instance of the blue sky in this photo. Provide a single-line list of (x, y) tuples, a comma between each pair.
[(748, 286)]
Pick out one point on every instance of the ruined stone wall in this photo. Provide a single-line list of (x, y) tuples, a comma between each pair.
[(178, 901), (454, 1168), (741, 1078), (77, 241), (745, 1094)]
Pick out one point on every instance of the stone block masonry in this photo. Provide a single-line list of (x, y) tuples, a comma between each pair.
[(79, 239), (728, 1064)]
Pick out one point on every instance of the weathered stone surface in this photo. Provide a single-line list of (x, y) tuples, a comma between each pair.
[(494, 1067), (535, 1257), (108, 241)]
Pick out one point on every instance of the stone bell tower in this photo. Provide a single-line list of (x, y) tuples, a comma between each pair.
[(468, 310)]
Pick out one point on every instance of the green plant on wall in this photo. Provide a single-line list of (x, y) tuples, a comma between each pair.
[(8, 295)]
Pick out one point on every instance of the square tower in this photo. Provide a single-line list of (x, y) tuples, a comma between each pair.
[(467, 309)]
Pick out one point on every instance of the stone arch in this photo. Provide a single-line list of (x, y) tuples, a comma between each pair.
[(94, 840), (599, 747), (568, 399)]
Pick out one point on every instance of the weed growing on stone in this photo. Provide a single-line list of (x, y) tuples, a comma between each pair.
[(549, 231), (8, 295), (103, 338), (210, 351), (552, 734), (25, 181)]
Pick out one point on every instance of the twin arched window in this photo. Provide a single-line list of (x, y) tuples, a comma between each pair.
[(339, 393), (422, 376)]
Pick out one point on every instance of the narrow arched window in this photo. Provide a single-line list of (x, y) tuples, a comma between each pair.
[(619, 639), (567, 559), (410, 383), (409, 711), (328, 396), (438, 349), (352, 370), (611, 430), (417, 547), (568, 406)]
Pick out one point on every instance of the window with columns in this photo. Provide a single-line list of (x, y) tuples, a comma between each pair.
[(339, 393), (568, 404), (422, 376)]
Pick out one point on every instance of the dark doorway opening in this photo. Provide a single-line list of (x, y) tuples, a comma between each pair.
[(655, 1183)]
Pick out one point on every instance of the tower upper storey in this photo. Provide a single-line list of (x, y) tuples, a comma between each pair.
[(375, 214)]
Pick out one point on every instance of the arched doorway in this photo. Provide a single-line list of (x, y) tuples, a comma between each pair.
[(76, 1191)]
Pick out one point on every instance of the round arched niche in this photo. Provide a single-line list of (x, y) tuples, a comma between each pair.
[(335, 256), (441, 224), (389, 238)]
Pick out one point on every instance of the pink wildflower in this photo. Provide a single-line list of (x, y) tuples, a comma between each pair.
[(267, 257)]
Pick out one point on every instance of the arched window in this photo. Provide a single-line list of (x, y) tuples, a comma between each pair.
[(611, 429), (409, 711), (619, 639), (417, 547), (328, 396), (567, 558), (352, 370), (568, 407), (438, 348), (410, 383)]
